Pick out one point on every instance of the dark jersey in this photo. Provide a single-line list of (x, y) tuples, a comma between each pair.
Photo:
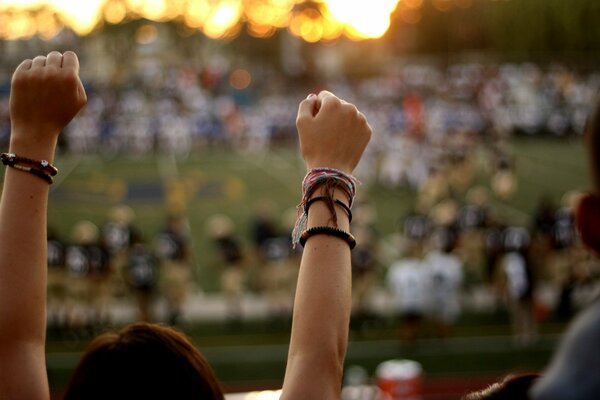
[(229, 249), (88, 260), (142, 269), (472, 217), (117, 236), (417, 226), (56, 254), (276, 248), (446, 237), (171, 246), (516, 239), (563, 233)]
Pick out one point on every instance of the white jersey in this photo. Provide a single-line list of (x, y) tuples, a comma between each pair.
[(407, 279), (446, 277), (516, 275)]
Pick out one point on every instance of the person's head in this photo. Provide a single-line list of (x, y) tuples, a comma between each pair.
[(220, 226), (85, 233), (513, 387), (122, 214), (587, 212), (143, 361), (572, 373)]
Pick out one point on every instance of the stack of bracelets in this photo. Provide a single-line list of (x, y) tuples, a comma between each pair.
[(42, 169), (328, 180)]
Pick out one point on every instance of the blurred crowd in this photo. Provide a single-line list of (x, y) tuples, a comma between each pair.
[(159, 109), (431, 124)]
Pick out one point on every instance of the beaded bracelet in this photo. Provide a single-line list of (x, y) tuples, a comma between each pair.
[(328, 230), (325, 198), (42, 169)]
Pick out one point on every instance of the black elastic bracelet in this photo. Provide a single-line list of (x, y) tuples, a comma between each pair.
[(328, 230), (325, 198)]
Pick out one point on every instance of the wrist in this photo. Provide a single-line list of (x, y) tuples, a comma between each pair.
[(28, 145), (329, 164), (320, 215)]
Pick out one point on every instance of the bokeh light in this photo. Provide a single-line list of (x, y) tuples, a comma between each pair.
[(311, 20), (363, 19), (146, 34), (240, 79)]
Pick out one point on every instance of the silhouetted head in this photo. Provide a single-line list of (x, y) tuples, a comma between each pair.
[(143, 361), (588, 210), (573, 371)]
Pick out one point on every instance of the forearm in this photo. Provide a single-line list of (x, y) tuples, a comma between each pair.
[(46, 93), (333, 135), (322, 305), (23, 209)]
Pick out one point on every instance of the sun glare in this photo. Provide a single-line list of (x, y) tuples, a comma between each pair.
[(316, 21), (81, 16), (368, 20), (223, 18)]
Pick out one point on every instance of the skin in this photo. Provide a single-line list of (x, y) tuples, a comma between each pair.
[(332, 134), (46, 94)]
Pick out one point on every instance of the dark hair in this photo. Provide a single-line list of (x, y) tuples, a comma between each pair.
[(143, 361), (512, 387)]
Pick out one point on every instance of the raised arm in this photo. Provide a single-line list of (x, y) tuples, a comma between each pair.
[(46, 94), (333, 134)]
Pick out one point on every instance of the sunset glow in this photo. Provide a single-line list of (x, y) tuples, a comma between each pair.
[(315, 21)]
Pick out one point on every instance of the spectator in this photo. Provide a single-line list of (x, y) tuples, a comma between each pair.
[(570, 373), (135, 362)]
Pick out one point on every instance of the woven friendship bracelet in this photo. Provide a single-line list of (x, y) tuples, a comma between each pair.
[(317, 176), (324, 198), (42, 169), (328, 230), (327, 180)]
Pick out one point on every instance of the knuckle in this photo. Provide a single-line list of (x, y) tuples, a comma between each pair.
[(351, 109), (332, 103), (68, 78)]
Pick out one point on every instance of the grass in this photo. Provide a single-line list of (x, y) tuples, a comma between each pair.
[(254, 352)]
